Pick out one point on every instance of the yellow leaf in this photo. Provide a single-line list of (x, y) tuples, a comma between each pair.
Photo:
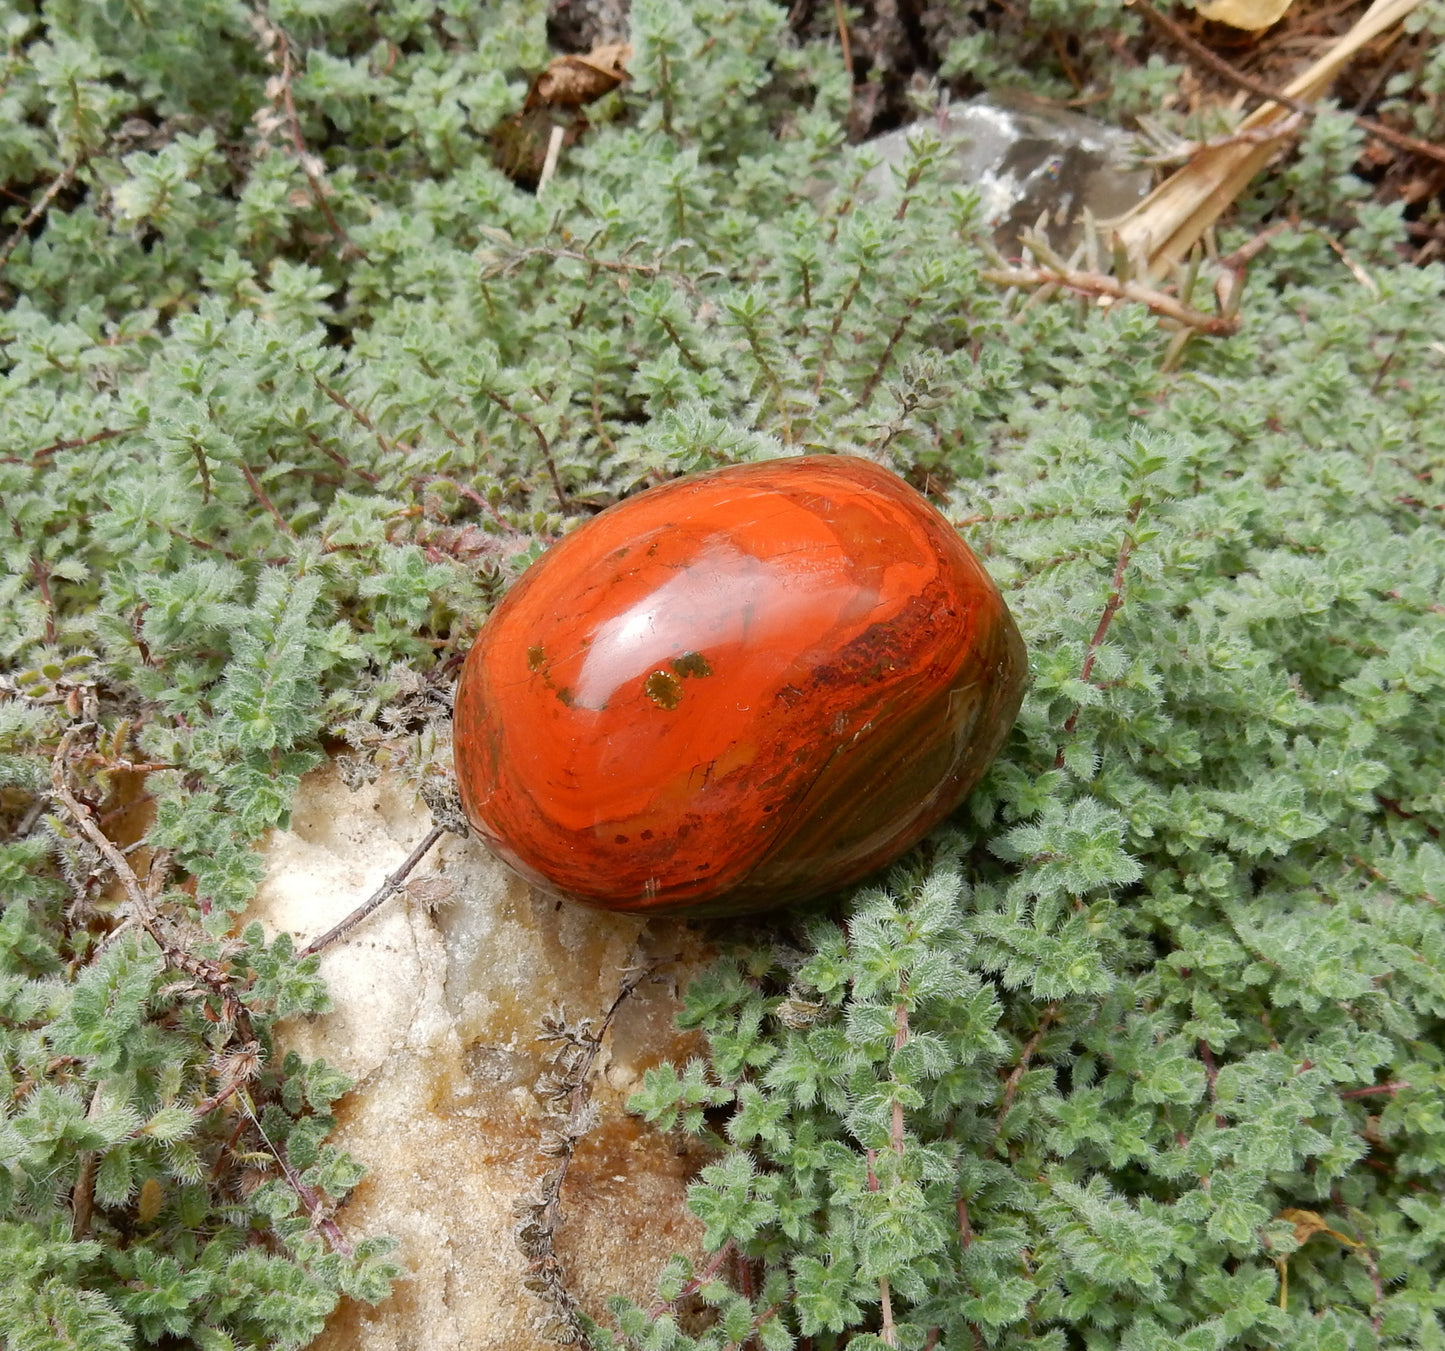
[(1308, 1223), (152, 1198)]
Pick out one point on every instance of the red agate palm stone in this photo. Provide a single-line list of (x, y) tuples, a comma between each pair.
[(743, 688)]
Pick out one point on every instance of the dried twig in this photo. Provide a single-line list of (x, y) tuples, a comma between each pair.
[(1163, 228), (1221, 67), (379, 897), (570, 1088), (201, 969), (1247, 252), (554, 153), (1102, 284), (1175, 152), (140, 902)]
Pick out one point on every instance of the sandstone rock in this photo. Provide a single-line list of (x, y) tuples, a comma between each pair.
[(439, 999)]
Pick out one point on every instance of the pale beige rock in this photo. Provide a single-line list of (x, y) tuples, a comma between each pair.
[(437, 1012)]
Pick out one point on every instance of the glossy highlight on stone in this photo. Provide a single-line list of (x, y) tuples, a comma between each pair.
[(740, 689)]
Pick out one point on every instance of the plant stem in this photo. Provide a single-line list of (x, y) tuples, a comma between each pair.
[(379, 897)]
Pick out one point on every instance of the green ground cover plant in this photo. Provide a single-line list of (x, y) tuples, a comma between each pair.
[(1146, 1050)]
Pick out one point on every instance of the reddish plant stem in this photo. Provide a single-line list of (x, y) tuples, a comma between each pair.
[(885, 1296), (473, 496), (1372, 1267), (885, 1301), (546, 447), (42, 583), (341, 401), (337, 457), (259, 493), (1393, 807), (304, 158), (714, 1263), (41, 206), (965, 1225), (1211, 1073), (899, 329), (1015, 1078), (827, 354), (1211, 1070), (1396, 1086), (307, 1195), (1374, 874), (900, 1040), (1101, 630), (75, 444), (752, 1333), (597, 419)]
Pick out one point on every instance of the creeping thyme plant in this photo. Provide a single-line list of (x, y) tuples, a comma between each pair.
[(1146, 1050)]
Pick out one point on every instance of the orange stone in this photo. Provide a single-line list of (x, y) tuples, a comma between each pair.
[(740, 689)]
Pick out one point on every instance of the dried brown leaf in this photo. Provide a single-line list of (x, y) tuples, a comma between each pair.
[(570, 81)]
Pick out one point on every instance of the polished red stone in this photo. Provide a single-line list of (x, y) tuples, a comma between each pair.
[(742, 688)]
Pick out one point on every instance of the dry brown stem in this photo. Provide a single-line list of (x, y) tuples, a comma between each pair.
[(142, 898), (570, 1088), (1167, 224), (1102, 284), (1303, 107), (379, 897)]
